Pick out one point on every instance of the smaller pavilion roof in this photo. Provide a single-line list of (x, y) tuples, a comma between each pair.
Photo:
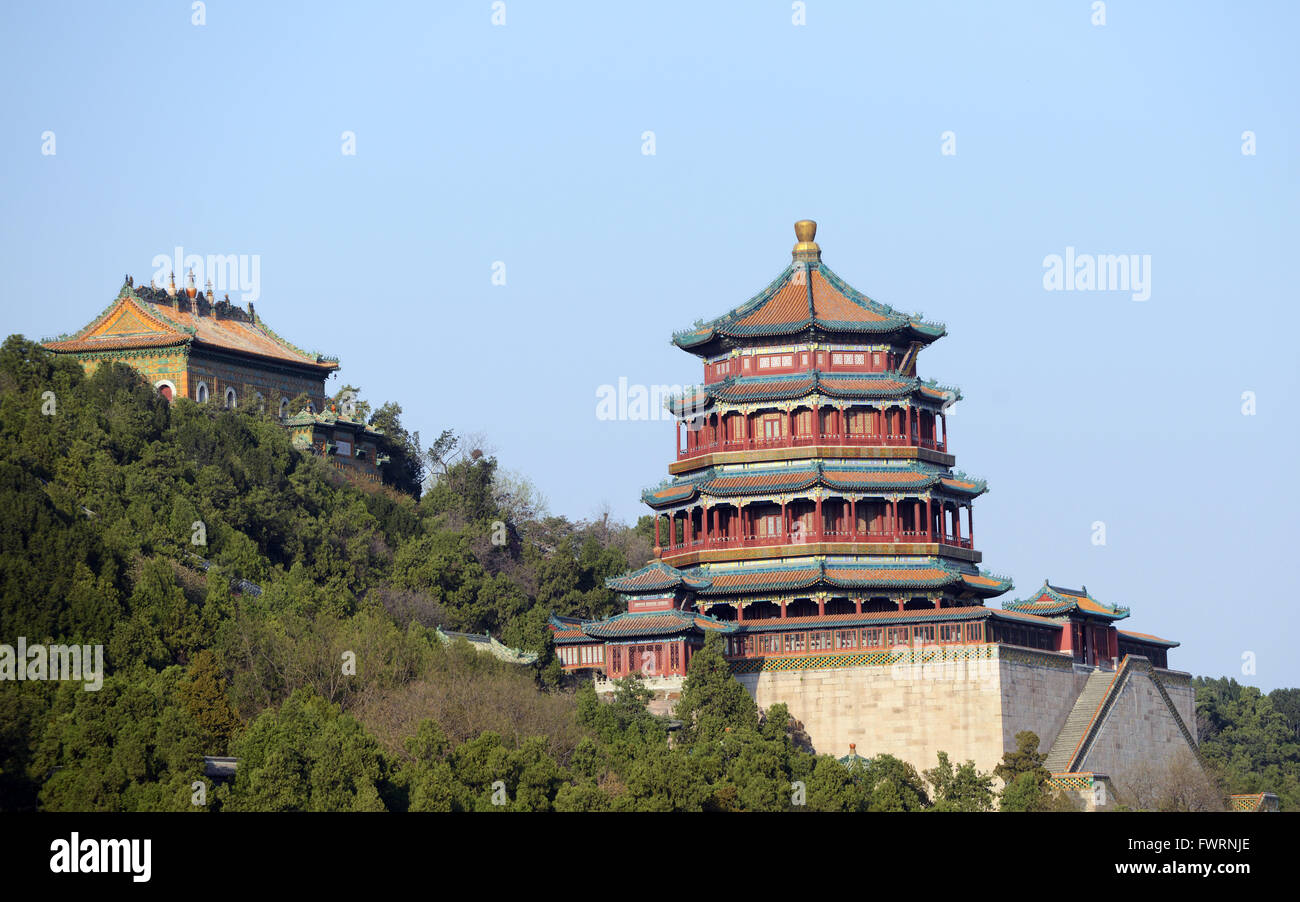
[(656, 577), (1055, 601), (330, 418), (632, 625), (1147, 638), (853, 759)]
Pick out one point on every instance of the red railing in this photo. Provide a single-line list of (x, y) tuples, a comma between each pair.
[(759, 443), (801, 537)]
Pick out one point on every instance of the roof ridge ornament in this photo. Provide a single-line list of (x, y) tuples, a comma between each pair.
[(806, 250)]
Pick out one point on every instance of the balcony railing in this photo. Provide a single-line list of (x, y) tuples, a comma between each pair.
[(761, 443), (806, 537)]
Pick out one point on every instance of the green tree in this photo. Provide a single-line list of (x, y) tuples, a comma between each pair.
[(712, 700), (1025, 779), (963, 788), (203, 694), (307, 756)]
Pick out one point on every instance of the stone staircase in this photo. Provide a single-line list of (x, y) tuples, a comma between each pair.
[(1085, 708)]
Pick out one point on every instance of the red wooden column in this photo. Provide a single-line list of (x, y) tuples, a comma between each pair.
[(956, 523), (785, 529), (687, 530), (817, 423), (657, 519), (818, 515), (789, 426), (970, 524), (857, 605), (821, 606), (943, 417), (929, 519), (740, 613), (893, 520), (844, 424)]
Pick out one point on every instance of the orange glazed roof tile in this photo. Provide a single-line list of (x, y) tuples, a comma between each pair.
[(650, 624), (831, 305), (1052, 600), (1147, 637), (655, 577), (788, 305), (133, 321), (788, 578), (806, 296)]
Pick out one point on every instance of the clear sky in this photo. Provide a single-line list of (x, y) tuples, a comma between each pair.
[(523, 143)]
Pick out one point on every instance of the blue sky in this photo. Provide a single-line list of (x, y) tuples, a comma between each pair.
[(523, 144)]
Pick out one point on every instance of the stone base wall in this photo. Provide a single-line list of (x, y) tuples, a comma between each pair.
[(902, 706), (968, 701), (1179, 686), (1038, 692), (1137, 732)]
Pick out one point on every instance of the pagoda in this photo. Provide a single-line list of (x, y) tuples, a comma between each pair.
[(812, 507), (813, 519)]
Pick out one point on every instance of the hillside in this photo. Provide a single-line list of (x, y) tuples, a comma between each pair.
[(145, 528)]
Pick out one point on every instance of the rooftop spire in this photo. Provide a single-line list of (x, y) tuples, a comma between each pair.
[(806, 250)]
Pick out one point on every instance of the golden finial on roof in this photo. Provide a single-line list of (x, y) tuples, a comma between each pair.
[(190, 289), (806, 250), (171, 284)]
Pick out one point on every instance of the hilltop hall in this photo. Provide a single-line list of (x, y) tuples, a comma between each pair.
[(187, 344), (813, 518)]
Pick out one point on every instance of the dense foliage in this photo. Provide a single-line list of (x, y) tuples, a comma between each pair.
[(142, 527), (1249, 740)]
